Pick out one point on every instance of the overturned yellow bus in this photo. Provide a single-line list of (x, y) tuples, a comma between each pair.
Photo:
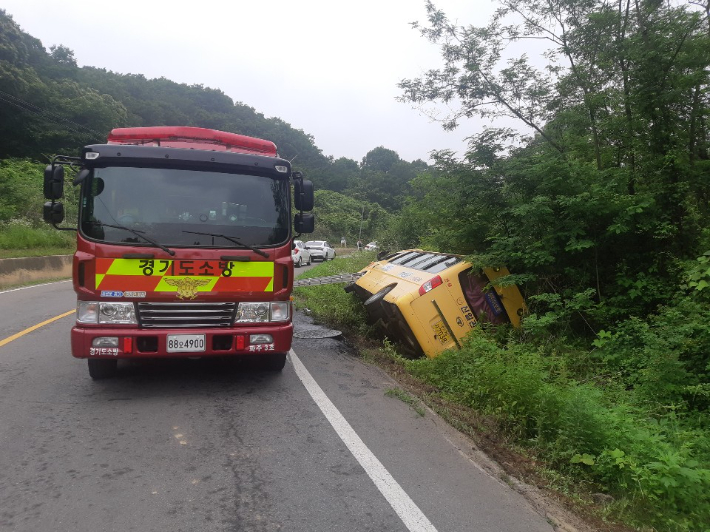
[(430, 301)]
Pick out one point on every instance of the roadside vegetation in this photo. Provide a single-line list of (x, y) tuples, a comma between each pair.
[(23, 233), (608, 428), (329, 302)]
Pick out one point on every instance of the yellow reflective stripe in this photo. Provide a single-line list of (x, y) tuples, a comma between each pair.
[(239, 269), (253, 269), (125, 267)]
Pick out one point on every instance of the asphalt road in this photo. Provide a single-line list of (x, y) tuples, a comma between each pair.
[(199, 445)]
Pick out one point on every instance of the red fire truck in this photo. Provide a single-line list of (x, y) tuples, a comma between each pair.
[(183, 245)]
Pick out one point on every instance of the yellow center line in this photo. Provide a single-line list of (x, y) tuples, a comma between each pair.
[(34, 327)]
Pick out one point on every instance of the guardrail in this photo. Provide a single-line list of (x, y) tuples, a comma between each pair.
[(23, 270), (329, 279)]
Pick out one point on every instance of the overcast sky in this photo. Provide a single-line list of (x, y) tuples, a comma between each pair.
[(327, 67)]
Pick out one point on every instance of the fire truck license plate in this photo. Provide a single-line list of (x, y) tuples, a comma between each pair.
[(186, 343)]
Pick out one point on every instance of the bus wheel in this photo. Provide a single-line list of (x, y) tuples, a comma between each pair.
[(373, 304), (102, 368), (273, 361)]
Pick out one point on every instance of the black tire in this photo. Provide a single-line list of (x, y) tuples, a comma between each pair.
[(298, 264), (379, 296), (373, 304), (309, 261), (411, 346), (273, 361), (102, 368)]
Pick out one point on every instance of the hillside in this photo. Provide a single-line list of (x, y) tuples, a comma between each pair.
[(49, 105)]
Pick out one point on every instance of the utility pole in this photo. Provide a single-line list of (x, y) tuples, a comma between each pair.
[(362, 217)]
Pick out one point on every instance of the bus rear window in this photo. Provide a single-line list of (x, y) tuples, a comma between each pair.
[(406, 257)]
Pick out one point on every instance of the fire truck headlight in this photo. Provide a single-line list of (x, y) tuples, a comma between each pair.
[(87, 311), (252, 312), (105, 312), (280, 310), (263, 312), (117, 313)]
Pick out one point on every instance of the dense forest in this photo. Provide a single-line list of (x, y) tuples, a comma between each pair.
[(601, 213)]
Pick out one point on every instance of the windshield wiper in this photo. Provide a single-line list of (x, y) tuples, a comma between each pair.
[(232, 239), (139, 234)]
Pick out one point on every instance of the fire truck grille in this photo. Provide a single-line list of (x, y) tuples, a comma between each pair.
[(176, 315)]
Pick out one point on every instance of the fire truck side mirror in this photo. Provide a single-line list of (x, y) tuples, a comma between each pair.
[(303, 195), (53, 182), (53, 213), (81, 176), (304, 223)]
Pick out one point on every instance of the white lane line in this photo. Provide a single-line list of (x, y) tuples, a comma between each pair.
[(410, 514), (33, 286)]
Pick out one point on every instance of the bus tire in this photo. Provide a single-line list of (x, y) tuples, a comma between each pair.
[(379, 296), (373, 304)]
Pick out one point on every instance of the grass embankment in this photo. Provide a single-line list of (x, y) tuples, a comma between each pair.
[(553, 416), (20, 239)]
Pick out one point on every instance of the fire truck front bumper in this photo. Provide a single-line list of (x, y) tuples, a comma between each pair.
[(98, 342)]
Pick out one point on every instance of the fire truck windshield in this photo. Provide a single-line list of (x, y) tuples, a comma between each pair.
[(184, 208)]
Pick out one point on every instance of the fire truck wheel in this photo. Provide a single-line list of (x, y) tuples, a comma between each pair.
[(102, 368), (273, 361)]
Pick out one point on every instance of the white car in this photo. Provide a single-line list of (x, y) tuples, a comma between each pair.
[(372, 246), (300, 254), (320, 250)]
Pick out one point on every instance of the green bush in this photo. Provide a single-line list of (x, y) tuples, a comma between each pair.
[(22, 197), (20, 235), (665, 359), (658, 467)]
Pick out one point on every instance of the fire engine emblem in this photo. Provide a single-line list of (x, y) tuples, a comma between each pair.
[(187, 286)]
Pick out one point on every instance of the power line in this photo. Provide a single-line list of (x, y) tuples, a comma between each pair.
[(48, 114), (53, 117)]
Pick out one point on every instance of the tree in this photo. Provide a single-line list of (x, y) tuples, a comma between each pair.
[(62, 55), (340, 215), (471, 80), (607, 195), (380, 159)]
